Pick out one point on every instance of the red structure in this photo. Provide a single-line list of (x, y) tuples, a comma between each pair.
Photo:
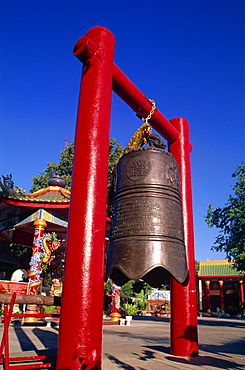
[(220, 285), (207, 293), (115, 303), (80, 339), (242, 294), (29, 219), (221, 288), (18, 212)]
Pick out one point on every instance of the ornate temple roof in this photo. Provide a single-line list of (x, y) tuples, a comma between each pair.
[(19, 211), (51, 194), (217, 269)]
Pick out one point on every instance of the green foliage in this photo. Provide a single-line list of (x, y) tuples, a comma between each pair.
[(21, 253), (140, 297), (197, 264), (141, 300), (49, 309), (231, 221), (127, 289), (130, 309), (130, 289), (108, 286), (63, 168), (47, 275), (115, 151), (65, 164)]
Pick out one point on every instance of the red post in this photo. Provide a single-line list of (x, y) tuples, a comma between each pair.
[(80, 338), (184, 340), (241, 294), (115, 303), (221, 290), (207, 293), (35, 266)]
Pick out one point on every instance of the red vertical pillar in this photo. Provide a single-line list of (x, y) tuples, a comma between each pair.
[(184, 341), (115, 303), (207, 293), (35, 265), (241, 294), (221, 290), (80, 338)]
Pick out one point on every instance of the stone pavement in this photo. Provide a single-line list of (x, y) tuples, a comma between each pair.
[(145, 344)]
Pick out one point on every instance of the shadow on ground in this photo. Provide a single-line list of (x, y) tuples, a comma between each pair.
[(120, 363), (217, 363), (26, 343), (220, 363), (222, 322)]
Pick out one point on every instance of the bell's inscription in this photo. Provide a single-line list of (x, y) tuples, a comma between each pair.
[(146, 216), (138, 168)]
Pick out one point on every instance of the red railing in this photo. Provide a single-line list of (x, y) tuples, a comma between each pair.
[(24, 361)]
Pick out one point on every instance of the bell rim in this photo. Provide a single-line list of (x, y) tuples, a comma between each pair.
[(141, 274)]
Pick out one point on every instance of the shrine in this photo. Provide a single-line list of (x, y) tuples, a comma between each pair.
[(80, 339), (220, 286), (38, 220)]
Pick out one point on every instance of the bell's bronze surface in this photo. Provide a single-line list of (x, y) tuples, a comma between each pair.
[(147, 236)]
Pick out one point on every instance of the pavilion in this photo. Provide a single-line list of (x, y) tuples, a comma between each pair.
[(18, 212), (220, 285)]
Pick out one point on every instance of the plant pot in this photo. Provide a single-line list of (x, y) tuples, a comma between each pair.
[(128, 320), (122, 321), (48, 320)]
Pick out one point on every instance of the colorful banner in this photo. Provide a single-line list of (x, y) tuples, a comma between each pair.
[(10, 287)]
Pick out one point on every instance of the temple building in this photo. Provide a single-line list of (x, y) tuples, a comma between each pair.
[(220, 286), (38, 220), (18, 212), (29, 219)]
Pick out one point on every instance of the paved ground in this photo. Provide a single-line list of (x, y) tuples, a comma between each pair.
[(145, 344)]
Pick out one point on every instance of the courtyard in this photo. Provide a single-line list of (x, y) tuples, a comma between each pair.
[(145, 345)]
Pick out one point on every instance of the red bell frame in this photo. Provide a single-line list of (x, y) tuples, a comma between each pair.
[(80, 338)]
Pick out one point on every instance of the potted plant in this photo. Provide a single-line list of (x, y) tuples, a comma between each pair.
[(130, 310), (49, 310)]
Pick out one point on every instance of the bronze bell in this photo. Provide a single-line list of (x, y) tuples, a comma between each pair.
[(147, 235)]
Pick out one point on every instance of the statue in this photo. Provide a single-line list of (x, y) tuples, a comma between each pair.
[(19, 275), (8, 182)]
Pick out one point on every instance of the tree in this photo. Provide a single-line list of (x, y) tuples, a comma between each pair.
[(231, 221), (65, 164), (20, 253), (127, 289), (63, 168)]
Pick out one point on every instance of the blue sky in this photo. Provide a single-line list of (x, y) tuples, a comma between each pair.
[(189, 56)]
